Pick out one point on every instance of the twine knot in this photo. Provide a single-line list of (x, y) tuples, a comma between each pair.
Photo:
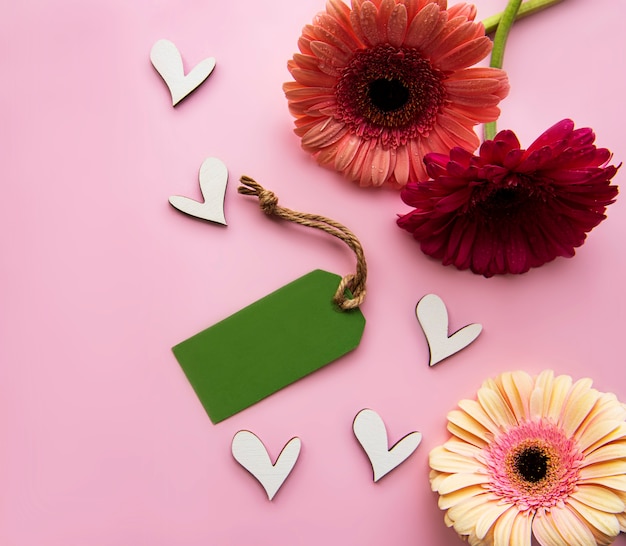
[(351, 290), (268, 201)]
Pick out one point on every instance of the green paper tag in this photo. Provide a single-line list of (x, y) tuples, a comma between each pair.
[(268, 345)]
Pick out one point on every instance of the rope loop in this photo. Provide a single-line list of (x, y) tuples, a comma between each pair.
[(351, 290)]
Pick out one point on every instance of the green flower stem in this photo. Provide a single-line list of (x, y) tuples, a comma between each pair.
[(526, 9), (497, 53)]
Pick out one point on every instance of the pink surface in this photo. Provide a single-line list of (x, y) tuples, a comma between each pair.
[(102, 440)]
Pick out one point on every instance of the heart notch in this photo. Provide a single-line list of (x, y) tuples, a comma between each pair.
[(213, 179), (433, 317)]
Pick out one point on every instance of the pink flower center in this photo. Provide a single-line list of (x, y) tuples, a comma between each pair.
[(389, 93), (533, 465)]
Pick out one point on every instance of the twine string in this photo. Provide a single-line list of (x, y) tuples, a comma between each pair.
[(352, 283)]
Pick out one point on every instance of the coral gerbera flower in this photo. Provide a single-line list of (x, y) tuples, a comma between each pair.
[(508, 209), (380, 85), (542, 456)]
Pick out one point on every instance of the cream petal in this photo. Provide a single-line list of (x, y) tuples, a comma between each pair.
[(521, 529), (465, 421), (615, 450), (445, 461), (496, 407), (596, 432), (536, 408), (576, 409), (465, 514), (460, 495), (573, 530), (622, 522), (459, 481), (462, 448), (599, 498), (476, 411), (517, 386), (608, 468), (543, 383), (504, 526), (561, 527), (468, 437), (578, 389), (617, 434), (436, 478), (602, 521), (545, 531), (614, 482), (558, 393), (606, 409), (489, 517)]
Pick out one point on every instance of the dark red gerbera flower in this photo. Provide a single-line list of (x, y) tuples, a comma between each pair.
[(508, 209)]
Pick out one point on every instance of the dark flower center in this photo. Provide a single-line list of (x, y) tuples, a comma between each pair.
[(532, 464), (390, 93), (510, 201), (505, 198)]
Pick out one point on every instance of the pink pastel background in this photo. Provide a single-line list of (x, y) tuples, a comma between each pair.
[(102, 440)]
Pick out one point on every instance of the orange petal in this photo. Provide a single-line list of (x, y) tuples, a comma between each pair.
[(397, 25), (426, 24), (465, 55), (369, 24)]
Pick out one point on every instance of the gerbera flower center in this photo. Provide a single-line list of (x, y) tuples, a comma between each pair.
[(533, 465), (389, 93)]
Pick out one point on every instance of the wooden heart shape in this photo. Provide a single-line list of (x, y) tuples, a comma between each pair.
[(168, 62), (371, 433), (250, 453), (213, 179), (433, 317)]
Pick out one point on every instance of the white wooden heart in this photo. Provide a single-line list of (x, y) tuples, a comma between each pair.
[(433, 317), (250, 453), (371, 433), (213, 179), (166, 59)]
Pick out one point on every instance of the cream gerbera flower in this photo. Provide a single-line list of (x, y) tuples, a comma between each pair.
[(542, 456), (379, 85)]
